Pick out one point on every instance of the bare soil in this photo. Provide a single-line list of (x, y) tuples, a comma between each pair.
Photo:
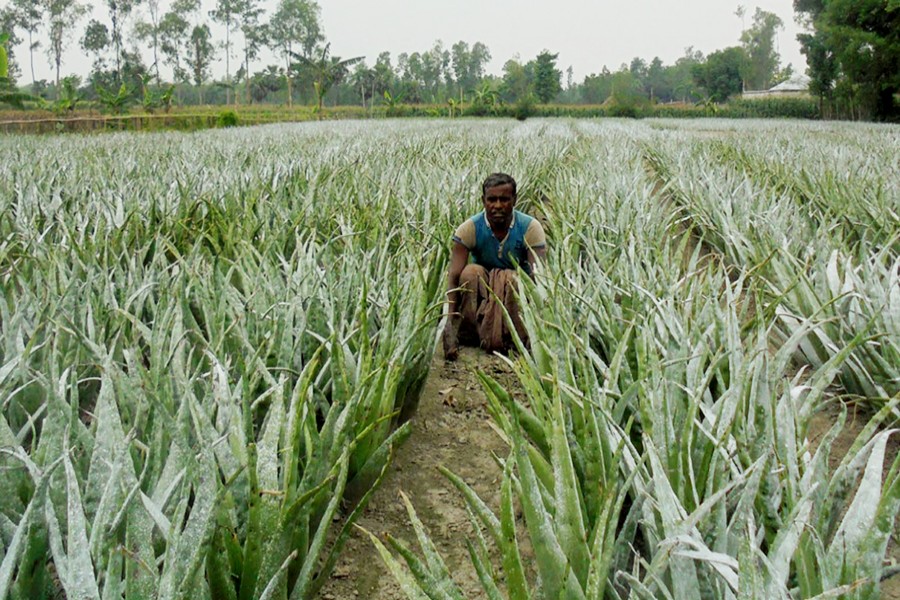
[(451, 428)]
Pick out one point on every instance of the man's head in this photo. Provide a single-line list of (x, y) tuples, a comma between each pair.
[(498, 194), (495, 179)]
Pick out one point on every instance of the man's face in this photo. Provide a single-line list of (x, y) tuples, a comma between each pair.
[(499, 202)]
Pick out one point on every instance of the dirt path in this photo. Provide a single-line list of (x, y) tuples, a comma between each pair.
[(451, 428)]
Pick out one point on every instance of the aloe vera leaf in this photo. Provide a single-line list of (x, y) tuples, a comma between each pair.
[(299, 412), (516, 583), (163, 525), (476, 504), (568, 519), (350, 521), (859, 521), (141, 575), (371, 471), (276, 582), (253, 544), (438, 586), (785, 544), (113, 587), (408, 584), (81, 581), (726, 566), (750, 576), (185, 553), (13, 477), (305, 577), (269, 509), (432, 557), (481, 562), (218, 571), (672, 514), (552, 563)]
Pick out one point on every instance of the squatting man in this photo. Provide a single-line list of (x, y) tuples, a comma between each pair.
[(496, 240)]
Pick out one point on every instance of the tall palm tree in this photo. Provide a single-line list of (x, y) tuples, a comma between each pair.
[(326, 71)]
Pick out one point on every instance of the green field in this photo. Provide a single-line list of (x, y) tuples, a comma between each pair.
[(210, 343)]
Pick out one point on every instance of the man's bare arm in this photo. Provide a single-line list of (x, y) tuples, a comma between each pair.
[(459, 257)]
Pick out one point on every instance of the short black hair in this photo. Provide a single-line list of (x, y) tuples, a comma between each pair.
[(495, 179)]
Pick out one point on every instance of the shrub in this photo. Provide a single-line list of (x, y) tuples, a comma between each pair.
[(524, 108), (227, 118)]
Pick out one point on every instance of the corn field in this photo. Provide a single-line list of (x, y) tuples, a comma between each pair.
[(211, 344)]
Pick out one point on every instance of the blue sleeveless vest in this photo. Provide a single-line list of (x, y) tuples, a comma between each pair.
[(492, 253)]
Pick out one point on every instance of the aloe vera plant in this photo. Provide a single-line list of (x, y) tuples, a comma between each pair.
[(659, 445), (209, 345)]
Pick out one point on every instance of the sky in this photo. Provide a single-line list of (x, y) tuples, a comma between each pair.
[(586, 34)]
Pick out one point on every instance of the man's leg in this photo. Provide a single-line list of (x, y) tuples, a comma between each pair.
[(473, 284), (492, 328), (463, 327)]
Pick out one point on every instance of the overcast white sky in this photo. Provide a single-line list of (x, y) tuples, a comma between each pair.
[(587, 35)]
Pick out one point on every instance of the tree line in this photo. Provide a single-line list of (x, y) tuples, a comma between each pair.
[(178, 39), (853, 53)]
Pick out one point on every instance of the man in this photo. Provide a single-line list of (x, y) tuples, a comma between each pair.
[(497, 239)]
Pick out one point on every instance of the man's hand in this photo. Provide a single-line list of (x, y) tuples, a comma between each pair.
[(451, 346)]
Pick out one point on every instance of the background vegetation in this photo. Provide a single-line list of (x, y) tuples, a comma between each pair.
[(852, 54)]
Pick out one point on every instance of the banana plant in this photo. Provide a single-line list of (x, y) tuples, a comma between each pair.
[(325, 71)]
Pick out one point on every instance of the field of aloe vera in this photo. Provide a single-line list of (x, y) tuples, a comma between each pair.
[(211, 344)]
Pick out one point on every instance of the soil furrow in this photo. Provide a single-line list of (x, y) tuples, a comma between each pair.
[(451, 428)]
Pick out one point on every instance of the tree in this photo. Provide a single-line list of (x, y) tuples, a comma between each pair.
[(758, 42), (459, 61), (129, 79), (174, 38), (9, 22), (411, 78), (822, 67), (295, 24), (546, 77), (29, 15), (721, 74), (517, 81), (854, 50), (638, 68), (227, 13), (63, 16), (8, 93), (656, 83), (596, 88), (384, 74), (626, 92), (681, 75), (255, 36), (4, 59), (200, 57), (467, 64), (325, 71), (435, 69), (265, 82), (96, 41), (119, 10), (150, 30)]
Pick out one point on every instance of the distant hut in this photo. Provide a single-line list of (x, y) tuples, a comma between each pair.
[(795, 87)]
